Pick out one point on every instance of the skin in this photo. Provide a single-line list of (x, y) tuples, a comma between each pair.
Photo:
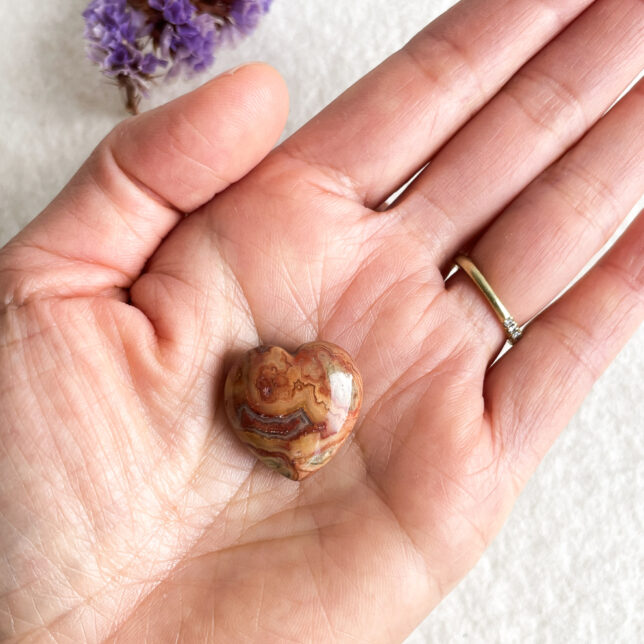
[(129, 512)]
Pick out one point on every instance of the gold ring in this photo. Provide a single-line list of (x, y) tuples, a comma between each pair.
[(513, 331)]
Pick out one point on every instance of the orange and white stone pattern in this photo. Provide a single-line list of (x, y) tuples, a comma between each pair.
[(293, 411)]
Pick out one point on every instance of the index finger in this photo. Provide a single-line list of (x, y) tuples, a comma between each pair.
[(385, 127)]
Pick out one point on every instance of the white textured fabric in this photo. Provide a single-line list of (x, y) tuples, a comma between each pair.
[(569, 564)]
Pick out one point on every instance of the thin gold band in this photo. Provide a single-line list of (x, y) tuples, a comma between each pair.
[(513, 331)]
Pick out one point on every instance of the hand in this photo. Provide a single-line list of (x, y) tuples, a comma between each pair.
[(130, 512)]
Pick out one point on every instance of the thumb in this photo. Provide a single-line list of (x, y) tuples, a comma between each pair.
[(101, 229)]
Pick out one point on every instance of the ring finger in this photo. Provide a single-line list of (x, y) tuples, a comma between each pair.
[(539, 244)]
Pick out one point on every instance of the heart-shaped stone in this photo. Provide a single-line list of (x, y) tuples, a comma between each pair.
[(294, 411)]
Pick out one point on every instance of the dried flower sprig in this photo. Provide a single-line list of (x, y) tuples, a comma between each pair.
[(135, 42)]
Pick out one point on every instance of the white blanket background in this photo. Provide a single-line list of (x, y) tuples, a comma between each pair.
[(569, 564)]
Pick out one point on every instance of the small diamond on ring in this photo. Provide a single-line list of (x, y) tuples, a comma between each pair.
[(512, 329)]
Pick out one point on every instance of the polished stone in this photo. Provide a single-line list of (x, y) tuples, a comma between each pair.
[(293, 411)]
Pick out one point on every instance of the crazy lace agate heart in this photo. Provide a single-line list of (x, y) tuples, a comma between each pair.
[(294, 411)]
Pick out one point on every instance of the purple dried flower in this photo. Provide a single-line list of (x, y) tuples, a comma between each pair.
[(245, 14), (132, 39), (188, 38), (176, 11), (114, 31)]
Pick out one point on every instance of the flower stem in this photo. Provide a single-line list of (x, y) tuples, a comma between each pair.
[(131, 91)]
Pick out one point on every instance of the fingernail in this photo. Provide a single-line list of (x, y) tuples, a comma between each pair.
[(232, 70)]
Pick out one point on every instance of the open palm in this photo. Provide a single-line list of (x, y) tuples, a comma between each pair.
[(131, 512)]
